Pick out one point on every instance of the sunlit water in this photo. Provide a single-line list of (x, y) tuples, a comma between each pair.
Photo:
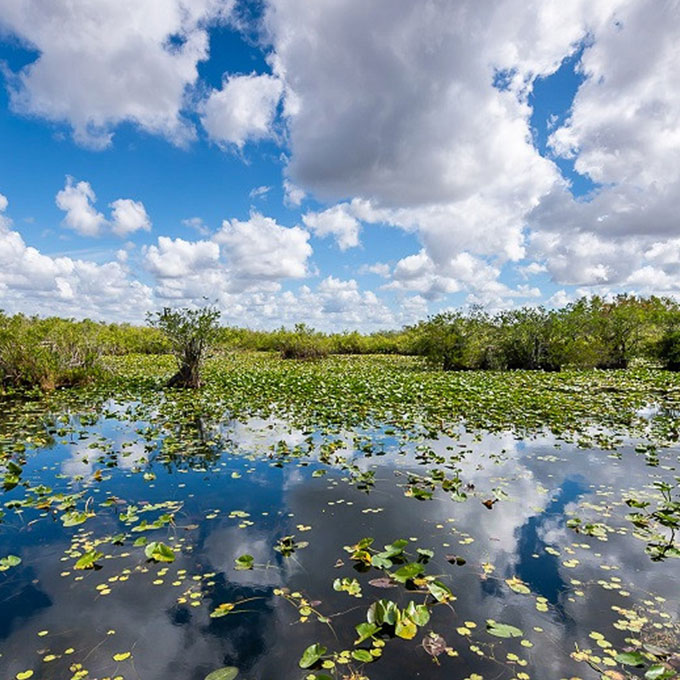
[(59, 622)]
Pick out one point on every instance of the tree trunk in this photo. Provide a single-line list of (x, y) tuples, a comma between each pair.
[(187, 376)]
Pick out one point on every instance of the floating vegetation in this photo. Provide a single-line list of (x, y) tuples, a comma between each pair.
[(356, 517)]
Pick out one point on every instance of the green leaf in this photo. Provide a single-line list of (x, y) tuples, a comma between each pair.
[(311, 655), (418, 613), (440, 591), (226, 673), (244, 562), (379, 561), (9, 561), (408, 572), (74, 517), (631, 658), (87, 561), (159, 552), (659, 672), (365, 631), (362, 655), (502, 630), (406, 628), (383, 612), (424, 555)]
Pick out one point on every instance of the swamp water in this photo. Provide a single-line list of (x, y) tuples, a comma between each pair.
[(523, 556)]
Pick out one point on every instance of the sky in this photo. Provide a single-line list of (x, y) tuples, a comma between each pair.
[(343, 163)]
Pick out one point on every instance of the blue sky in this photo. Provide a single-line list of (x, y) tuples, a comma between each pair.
[(441, 163)]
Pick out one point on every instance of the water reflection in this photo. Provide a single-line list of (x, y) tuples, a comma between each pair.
[(240, 486)]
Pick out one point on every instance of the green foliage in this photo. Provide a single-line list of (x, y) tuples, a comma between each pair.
[(454, 341), (190, 333), (304, 343), (589, 333), (47, 353)]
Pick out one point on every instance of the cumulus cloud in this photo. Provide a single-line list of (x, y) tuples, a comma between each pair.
[(175, 258), (244, 109), (103, 63), (378, 268), (77, 201), (260, 248), (622, 133), (32, 282), (292, 194), (128, 216), (464, 273), (422, 118), (336, 222), (399, 109)]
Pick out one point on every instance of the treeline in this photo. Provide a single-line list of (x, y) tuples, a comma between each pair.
[(53, 352), (589, 333)]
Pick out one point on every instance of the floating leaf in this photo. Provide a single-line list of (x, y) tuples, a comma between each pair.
[(226, 673), (311, 655), (365, 631), (631, 658), (502, 630), (75, 517), (244, 562), (159, 552), (408, 572), (87, 561), (9, 561)]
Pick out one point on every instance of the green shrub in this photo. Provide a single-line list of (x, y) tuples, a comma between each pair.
[(304, 343), (454, 342), (46, 353)]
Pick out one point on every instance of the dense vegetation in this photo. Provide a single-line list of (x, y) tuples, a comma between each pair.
[(589, 333)]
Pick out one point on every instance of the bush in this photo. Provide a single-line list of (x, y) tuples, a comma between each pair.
[(669, 349), (531, 339), (46, 353), (304, 343), (456, 342)]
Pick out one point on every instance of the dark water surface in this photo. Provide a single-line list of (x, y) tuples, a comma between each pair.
[(567, 590)]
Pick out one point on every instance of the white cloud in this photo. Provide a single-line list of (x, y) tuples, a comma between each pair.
[(197, 224), (464, 273), (623, 133), (111, 61), (293, 195), (244, 109), (336, 222), (531, 269), (259, 192), (399, 113), (128, 216), (76, 200), (259, 248), (35, 283), (175, 258), (378, 268), (3, 202), (399, 109)]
